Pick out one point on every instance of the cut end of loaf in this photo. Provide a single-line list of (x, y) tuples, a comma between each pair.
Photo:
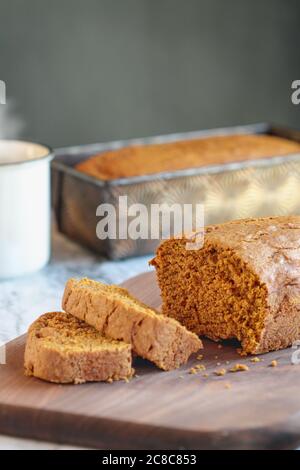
[(216, 294)]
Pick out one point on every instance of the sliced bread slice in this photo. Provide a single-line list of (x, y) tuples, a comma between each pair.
[(118, 315), (60, 348)]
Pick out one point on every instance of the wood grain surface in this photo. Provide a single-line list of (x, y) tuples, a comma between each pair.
[(256, 409)]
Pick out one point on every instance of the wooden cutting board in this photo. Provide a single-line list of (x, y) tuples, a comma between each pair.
[(159, 410)]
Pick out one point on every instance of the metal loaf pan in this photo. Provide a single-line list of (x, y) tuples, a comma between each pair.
[(229, 191)]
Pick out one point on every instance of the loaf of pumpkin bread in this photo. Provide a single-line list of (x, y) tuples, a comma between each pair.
[(244, 282), (62, 349), (118, 315), (180, 155)]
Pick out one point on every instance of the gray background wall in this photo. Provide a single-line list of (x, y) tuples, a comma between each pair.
[(94, 70)]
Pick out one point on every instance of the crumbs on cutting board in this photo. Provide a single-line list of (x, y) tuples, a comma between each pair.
[(255, 359), (197, 368), (239, 368), (220, 372)]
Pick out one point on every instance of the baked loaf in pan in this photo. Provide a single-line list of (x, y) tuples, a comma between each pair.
[(60, 348), (151, 159), (243, 283), (118, 315)]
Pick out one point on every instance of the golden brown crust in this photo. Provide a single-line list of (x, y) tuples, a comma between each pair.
[(118, 315), (257, 260), (151, 159), (62, 349)]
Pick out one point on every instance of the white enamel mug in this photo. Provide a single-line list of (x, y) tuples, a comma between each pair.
[(25, 212)]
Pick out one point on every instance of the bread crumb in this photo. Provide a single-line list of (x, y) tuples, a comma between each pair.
[(126, 379), (218, 364), (239, 368), (78, 381), (220, 346), (199, 357), (227, 362), (228, 385), (197, 368), (181, 377), (274, 364), (109, 380), (255, 359), (241, 352), (220, 372), (205, 375), (216, 357)]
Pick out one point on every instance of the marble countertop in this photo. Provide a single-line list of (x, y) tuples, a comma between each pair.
[(23, 299)]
